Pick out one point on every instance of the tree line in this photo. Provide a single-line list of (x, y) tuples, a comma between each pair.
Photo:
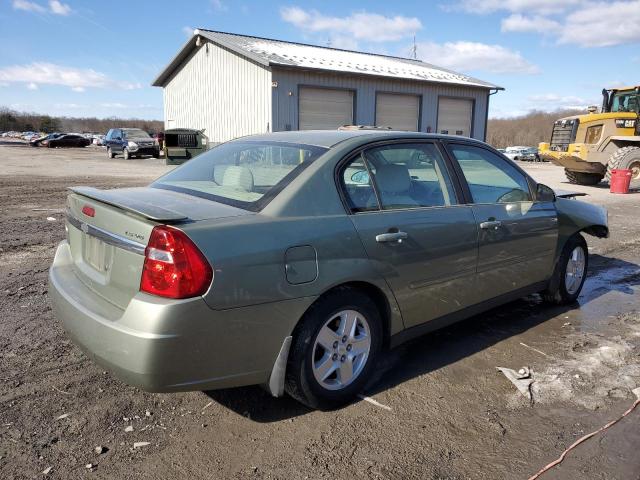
[(527, 130), (11, 120)]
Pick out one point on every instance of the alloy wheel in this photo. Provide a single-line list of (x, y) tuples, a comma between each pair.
[(575, 270), (341, 349)]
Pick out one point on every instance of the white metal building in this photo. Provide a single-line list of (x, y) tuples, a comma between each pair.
[(234, 85)]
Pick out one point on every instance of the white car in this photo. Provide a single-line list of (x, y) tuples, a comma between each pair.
[(514, 152)]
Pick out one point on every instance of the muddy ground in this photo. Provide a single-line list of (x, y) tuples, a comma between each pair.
[(449, 414)]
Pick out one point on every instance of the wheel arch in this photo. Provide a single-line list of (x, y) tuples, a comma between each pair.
[(389, 312)]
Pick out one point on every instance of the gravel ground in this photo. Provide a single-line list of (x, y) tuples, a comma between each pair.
[(443, 411)]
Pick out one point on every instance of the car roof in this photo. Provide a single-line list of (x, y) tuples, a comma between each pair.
[(330, 138)]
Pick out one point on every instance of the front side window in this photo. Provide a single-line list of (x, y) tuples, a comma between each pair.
[(243, 174), (491, 178)]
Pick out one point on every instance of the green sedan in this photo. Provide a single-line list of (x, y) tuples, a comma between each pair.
[(292, 259)]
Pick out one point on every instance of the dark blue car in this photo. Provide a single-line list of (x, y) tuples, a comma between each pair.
[(130, 142)]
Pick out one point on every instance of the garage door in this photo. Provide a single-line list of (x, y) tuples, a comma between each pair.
[(399, 112), (454, 116), (325, 109)]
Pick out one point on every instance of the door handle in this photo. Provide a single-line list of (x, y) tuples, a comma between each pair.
[(491, 224), (391, 237)]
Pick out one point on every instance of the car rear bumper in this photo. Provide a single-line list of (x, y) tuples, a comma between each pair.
[(164, 345)]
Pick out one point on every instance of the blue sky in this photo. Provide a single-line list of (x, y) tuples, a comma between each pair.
[(86, 58)]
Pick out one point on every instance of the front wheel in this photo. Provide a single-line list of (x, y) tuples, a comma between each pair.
[(583, 178), (126, 154), (334, 349), (627, 158), (570, 272)]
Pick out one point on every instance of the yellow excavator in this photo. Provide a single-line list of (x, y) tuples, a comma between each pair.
[(590, 146)]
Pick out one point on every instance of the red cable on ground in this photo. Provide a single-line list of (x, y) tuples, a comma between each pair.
[(586, 437)]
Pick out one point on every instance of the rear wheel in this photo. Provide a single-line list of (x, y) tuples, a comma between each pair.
[(627, 158), (334, 349), (582, 178), (570, 272)]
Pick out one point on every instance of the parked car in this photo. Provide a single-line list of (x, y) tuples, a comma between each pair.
[(130, 142), (292, 259), (514, 152), (529, 155), (68, 140), (43, 141)]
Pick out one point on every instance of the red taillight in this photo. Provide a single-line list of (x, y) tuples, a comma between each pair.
[(89, 211), (173, 265)]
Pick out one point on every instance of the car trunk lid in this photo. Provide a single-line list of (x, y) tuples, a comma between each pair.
[(108, 231)]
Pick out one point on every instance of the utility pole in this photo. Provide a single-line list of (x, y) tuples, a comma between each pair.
[(414, 50)]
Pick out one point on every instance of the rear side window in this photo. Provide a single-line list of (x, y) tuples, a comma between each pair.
[(357, 186), (402, 176), (491, 179), (410, 176)]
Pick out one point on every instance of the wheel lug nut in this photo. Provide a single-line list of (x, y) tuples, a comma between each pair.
[(343, 358), (349, 348), (335, 344), (344, 339), (335, 356)]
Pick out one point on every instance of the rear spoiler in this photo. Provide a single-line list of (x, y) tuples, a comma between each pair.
[(120, 200), (567, 194)]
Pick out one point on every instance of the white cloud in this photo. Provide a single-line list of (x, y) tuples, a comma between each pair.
[(542, 7), (466, 56), (372, 27), (55, 6), (32, 86), (78, 79), (586, 23), (603, 24), (188, 31), (113, 105), (59, 8), (28, 6), (536, 24), (219, 5), (552, 101)]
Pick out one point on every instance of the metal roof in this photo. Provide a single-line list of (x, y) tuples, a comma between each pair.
[(269, 52)]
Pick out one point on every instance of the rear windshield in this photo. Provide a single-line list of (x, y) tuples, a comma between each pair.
[(243, 174), (135, 133)]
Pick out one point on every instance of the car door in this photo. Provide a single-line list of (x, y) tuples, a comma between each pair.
[(420, 238), (517, 235), (116, 141)]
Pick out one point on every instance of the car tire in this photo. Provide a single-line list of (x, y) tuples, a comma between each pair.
[(319, 349), (156, 155), (582, 178), (125, 153), (110, 153), (625, 158), (570, 272)]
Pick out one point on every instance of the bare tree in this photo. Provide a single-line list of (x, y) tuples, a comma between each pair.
[(25, 121), (527, 130)]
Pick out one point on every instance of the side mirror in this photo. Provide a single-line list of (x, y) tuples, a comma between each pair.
[(360, 177), (545, 194)]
